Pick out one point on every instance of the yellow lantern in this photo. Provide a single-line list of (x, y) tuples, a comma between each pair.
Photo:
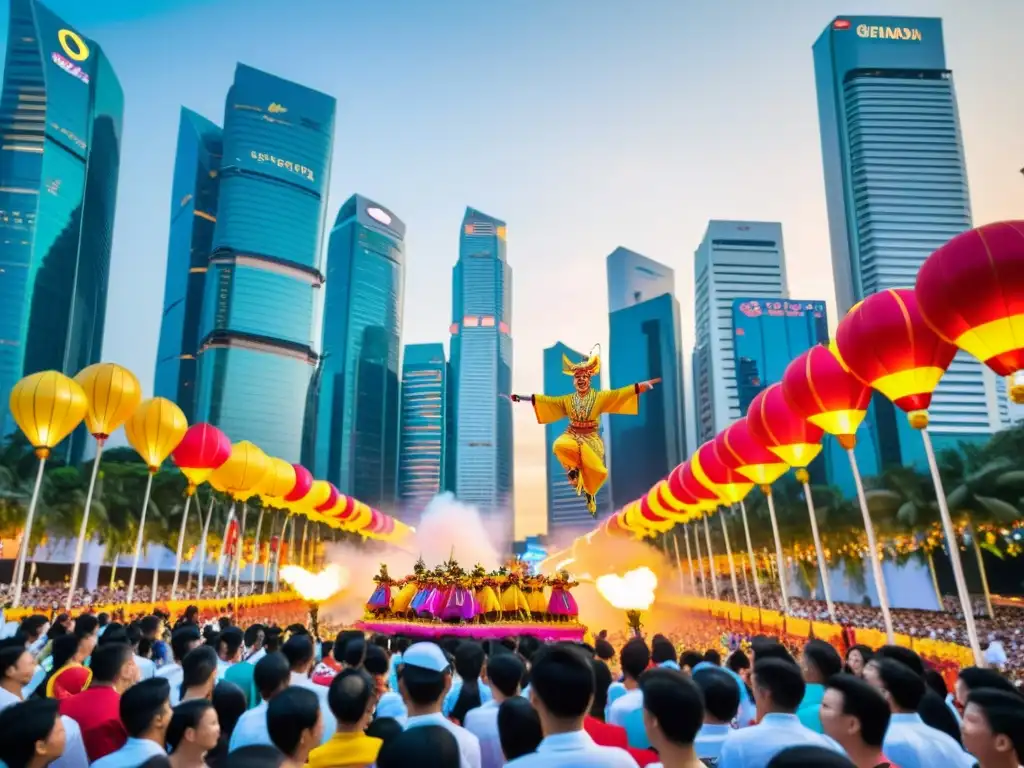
[(277, 482), (113, 393), (242, 472), (155, 429), (47, 407)]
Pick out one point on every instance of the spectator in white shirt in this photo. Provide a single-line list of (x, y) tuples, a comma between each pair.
[(721, 703), (229, 649), (519, 728), (146, 714), (301, 655), (183, 640), (31, 733), (503, 676), (673, 712), (295, 723), (423, 679), (856, 715), (627, 710), (993, 728), (253, 638), (199, 673), (147, 668), (271, 676), (561, 687)]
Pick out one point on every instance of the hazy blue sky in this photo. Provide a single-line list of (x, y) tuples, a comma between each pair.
[(585, 124)]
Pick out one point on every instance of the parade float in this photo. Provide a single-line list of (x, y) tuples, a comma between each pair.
[(448, 601)]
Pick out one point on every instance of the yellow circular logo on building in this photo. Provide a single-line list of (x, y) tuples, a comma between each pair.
[(73, 44)]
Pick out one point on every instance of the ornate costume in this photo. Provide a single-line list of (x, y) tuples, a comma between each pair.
[(580, 449), (535, 597), (460, 603), (380, 600), (562, 603), (486, 597), (70, 679)]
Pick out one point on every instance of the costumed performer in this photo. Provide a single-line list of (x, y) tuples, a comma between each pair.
[(580, 449), (533, 586), (380, 601), (408, 590), (436, 595), (513, 599), (460, 604), (563, 605), (486, 597)]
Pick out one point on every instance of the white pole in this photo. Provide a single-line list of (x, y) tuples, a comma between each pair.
[(700, 563), (181, 546), (256, 552), (689, 559), (954, 551), (138, 537), (80, 545), (679, 563), (266, 560), (728, 554), (223, 550), (818, 548), (779, 558), (876, 560), (241, 550), (711, 556), (202, 547), (19, 567), (750, 552)]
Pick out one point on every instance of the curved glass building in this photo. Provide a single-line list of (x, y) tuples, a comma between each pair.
[(481, 366), (356, 389), (60, 117), (193, 218), (256, 355)]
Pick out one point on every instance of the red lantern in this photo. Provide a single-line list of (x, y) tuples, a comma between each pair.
[(651, 518), (714, 472), (781, 430), (303, 484), (665, 505), (971, 292), (345, 509), (748, 456), (329, 503), (614, 525), (887, 344), (688, 491), (203, 449), (819, 388)]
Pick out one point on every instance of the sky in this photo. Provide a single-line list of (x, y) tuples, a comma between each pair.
[(584, 124)]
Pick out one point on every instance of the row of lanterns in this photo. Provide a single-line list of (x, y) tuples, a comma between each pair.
[(48, 406), (969, 295)]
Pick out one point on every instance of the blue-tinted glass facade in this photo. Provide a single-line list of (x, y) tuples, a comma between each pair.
[(481, 352), (193, 217), (566, 510), (256, 356), (645, 343), (896, 189), (60, 114), (356, 429), (423, 438)]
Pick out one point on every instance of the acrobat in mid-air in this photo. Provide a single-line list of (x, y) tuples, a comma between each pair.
[(580, 449)]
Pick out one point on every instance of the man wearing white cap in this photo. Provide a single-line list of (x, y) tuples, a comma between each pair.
[(423, 679)]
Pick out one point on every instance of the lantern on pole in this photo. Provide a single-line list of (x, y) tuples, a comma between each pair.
[(730, 485), (154, 430), (238, 477), (886, 343), (277, 483), (796, 442), (691, 490), (971, 292), (203, 449), (47, 407)]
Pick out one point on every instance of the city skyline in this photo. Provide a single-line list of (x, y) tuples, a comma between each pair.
[(764, 167)]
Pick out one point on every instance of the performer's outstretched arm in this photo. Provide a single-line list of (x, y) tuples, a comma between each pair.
[(548, 409), (521, 398)]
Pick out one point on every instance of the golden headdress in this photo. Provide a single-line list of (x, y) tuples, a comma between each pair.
[(591, 365)]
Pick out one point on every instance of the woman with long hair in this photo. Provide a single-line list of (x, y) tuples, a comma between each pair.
[(193, 732)]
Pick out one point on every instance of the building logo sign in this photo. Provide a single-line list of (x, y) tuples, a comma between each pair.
[(75, 51), (378, 215), (276, 109), (889, 33), (841, 24), (288, 165)]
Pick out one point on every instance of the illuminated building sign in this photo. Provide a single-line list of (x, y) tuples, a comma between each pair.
[(379, 215), (888, 33), (276, 109), (75, 50), (288, 165), (756, 308)]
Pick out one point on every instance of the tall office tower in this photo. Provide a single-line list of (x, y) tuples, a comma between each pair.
[(60, 113), (481, 351), (423, 438), (645, 342), (357, 394), (896, 190), (256, 355), (567, 511), (193, 216), (736, 259)]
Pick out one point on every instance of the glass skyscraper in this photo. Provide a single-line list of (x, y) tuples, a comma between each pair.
[(567, 511), (60, 113), (481, 367), (736, 259), (256, 355), (423, 439), (645, 342), (356, 386), (896, 189), (193, 217)]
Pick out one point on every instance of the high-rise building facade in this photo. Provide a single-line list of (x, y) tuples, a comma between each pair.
[(896, 189), (736, 259), (423, 439), (481, 367), (357, 387), (567, 511), (60, 113), (193, 217), (256, 355), (645, 342)]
